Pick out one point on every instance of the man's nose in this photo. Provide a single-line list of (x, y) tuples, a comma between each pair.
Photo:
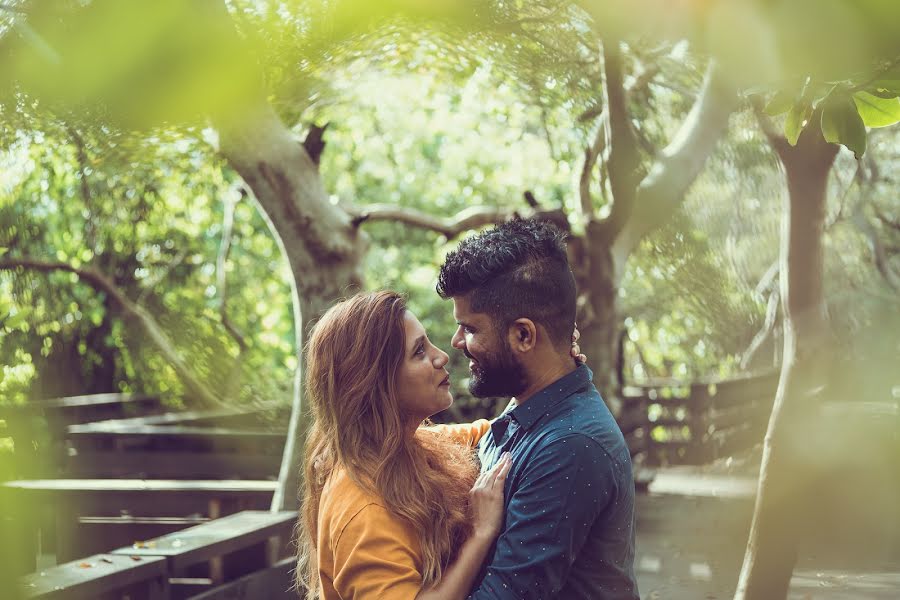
[(458, 341)]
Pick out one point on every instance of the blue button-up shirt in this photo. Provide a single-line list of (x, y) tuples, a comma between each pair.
[(569, 525)]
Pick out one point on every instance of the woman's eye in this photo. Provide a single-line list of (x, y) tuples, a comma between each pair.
[(420, 350)]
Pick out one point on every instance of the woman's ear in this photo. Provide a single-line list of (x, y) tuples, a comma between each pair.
[(522, 335)]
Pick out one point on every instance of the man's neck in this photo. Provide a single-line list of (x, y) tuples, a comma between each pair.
[(541, 377)]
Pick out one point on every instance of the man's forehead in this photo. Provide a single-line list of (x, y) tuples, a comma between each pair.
[(462, 309)]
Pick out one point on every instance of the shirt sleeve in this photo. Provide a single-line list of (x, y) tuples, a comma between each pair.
[(376, 557), (465, 433), (560, 493)]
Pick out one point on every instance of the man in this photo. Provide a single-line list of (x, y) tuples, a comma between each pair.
[(569, 525)]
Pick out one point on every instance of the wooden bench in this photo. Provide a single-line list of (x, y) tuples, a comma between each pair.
[(245, 555), (62, 412), (203, 557), (38, 428), (117, 449), (101, 576), (76, 517)]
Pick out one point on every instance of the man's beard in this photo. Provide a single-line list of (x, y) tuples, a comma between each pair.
[(498, 374)]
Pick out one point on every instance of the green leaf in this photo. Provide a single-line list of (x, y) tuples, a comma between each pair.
[(841, 124), (780, 103), (875, 111), (15, 321), (796, 119)]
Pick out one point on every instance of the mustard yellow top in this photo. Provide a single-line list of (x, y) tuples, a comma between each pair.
[(364, 552)]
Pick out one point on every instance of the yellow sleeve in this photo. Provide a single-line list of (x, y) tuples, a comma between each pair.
[(465, 433), (376, 557)]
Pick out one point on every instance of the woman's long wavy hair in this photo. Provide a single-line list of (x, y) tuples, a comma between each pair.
[(352, 361)]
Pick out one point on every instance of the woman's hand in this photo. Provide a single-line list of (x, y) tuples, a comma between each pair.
[(486, 499), (486, 502), (576, 349)]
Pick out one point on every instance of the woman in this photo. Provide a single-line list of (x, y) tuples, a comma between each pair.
[(391, 509)]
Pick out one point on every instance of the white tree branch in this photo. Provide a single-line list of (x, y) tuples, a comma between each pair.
[(451, 227), (677, 166)]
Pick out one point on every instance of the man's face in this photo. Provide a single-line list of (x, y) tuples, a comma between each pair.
[(494, 367)]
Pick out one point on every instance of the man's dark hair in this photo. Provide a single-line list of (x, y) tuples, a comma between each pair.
[(515, 270)]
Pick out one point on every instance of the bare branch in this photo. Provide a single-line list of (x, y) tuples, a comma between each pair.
[(767, 280), (591, 154), (768, 325), (624, 158), (154, 332), (469, 218), (775, 137), (879, 253), (221, 275), (887, 221), (314, 143), (530, 200)]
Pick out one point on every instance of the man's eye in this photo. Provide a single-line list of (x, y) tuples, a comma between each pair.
[(468, 330)]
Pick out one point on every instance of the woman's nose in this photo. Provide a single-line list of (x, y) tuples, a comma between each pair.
[(441, 359)]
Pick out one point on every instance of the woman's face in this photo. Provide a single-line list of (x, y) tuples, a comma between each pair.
[(423, 384)]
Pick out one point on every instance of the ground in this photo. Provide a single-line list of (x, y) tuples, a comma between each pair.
[(691, 530)]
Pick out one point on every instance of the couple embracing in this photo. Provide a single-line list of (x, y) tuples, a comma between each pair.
[(535, 504)]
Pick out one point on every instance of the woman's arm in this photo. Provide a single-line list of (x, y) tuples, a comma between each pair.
[(486, 499)]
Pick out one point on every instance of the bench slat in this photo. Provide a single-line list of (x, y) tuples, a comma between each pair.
[(215, 538), (273, 583), (95, 575)]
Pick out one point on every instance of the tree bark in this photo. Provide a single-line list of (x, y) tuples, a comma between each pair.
[(784, 474), (322, 245)]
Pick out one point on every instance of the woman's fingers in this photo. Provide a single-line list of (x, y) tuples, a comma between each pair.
[(504, 464)]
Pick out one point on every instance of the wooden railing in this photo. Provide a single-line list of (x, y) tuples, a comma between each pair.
[(246, 555), (668, 422)]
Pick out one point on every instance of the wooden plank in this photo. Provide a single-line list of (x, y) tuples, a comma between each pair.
[(273, 583), (76, 402), (100, 429), (168, 418), (158, 437), (216, 538), (140, 464), (174, 486), (163, 497), (91, 577), (94, 535)]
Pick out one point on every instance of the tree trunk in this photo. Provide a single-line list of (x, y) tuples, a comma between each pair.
[(598, 317), (784, 474), (323, 247)]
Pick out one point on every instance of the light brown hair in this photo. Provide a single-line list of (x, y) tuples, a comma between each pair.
[(352, 359)]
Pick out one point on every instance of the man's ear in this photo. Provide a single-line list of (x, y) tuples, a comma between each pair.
[(522, 335)]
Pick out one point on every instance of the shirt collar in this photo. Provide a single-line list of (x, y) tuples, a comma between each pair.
[(529, 412)]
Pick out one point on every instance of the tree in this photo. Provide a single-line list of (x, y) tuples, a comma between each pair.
[(818, 120), (322, 241)]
